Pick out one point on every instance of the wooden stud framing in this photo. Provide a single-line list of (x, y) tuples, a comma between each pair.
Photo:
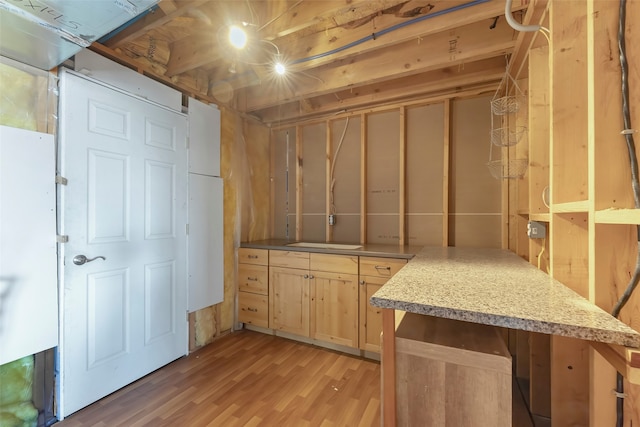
[(299, 182), (329, 161), (363, 178), (402, 206), (445, 172), (388, 356)]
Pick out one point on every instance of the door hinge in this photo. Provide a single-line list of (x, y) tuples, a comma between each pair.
[(61, 180), (61, 238)]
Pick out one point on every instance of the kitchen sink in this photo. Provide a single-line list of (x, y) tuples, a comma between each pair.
[(324, 245)]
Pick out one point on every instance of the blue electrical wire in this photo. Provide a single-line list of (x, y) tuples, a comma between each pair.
[(374, 36)]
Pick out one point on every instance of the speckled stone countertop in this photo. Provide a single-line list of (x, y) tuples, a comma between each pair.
[(496, 287), (375, 250)]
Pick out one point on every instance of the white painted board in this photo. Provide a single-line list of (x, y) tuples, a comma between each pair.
[(205, 259), (107, 71), (28, 274), (204, 138)]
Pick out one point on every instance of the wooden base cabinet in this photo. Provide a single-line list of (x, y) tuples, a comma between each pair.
[(374, 272), (334, 299), (253, 288)]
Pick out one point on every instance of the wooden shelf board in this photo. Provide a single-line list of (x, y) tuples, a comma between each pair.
[(571, 207), (618, 216), (541, 216)]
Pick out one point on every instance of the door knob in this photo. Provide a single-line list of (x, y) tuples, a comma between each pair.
[(81, 259)]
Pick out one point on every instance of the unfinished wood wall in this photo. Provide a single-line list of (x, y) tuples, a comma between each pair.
[(576, 150), (407, 174)]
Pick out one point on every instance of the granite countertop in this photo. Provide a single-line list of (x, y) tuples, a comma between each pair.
[(496, 287), (376, 250)]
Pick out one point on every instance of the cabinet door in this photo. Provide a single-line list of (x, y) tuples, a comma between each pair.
[(370, 317), (289, 300), (334, 308)]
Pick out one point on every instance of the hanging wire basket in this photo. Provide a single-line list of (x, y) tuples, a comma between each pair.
[(506, 168), (501, 169), (507, 136), (505, 105), (507, 98)]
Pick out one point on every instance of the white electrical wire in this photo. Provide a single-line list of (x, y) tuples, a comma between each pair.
[(333, 166)]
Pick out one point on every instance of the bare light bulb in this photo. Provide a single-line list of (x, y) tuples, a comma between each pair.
[(237, 37), (280, 68)]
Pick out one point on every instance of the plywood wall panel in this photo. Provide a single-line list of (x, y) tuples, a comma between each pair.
[(424, 229), (478, 231), (314, 227), (382, 229), (475, 196), (425, 133), (383, 161), (346, 190), (347, 228), (313, 163), (473, 187)]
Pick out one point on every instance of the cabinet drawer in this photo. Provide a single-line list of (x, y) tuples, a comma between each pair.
[(253, 309), (381, 267), (290, 259), (333, 263), (253, 256), (253, 278)]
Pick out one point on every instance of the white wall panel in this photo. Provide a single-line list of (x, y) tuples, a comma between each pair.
[(204, 138), (28, 287), (206, 260)]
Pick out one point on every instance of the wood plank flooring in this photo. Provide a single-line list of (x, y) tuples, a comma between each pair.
[(252, 379), (247, 379)]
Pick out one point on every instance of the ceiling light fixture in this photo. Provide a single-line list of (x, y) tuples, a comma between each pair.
[(280, 68), (237, 37)]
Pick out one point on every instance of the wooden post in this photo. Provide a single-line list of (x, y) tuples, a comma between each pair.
[(363, 178), (445, 172), (388, 357), (402, 176)]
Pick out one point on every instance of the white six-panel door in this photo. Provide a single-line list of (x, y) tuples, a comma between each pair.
[(123, 316)]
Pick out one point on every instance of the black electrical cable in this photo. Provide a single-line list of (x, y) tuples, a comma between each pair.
[(631, 148)]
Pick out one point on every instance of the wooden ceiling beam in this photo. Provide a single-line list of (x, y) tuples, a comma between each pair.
[(423, 99), (462, 45), (153, 20), (190, 53), (296, 48), (450, 78), (293, 16)]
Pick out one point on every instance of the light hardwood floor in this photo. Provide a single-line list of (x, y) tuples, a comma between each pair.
[(247, 378), (252, 379)]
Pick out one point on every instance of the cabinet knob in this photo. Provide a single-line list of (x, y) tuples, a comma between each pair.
[(252, 256), (362, 282), (383, 267), (306, 276), (255, 310), (311, 277), (252, 279)]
